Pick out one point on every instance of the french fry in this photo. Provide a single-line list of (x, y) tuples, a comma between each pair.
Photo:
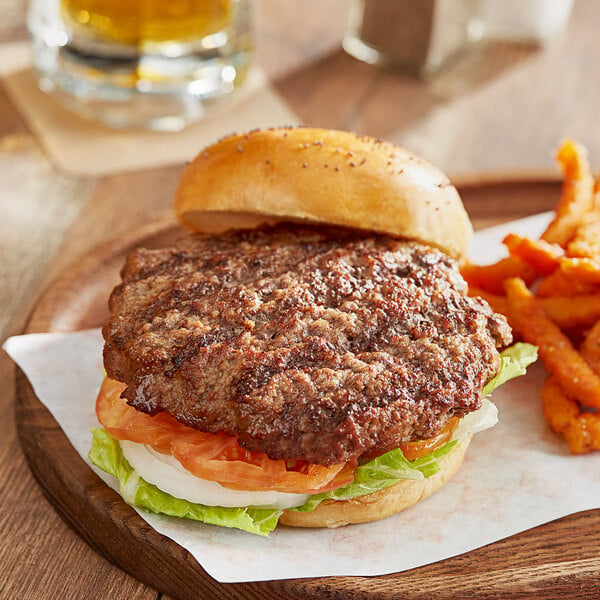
[(580, 430), (561, 284), (569, 312), (590, 349), (576, 197), (539, 254), (556, 351), (586, 270), (564, 268), (559, 410), (586, 242), (490, 278)]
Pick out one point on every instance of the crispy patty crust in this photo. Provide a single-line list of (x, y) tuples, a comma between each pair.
[(305, 342)]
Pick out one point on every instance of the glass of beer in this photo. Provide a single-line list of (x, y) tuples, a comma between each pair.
[(154, 64)]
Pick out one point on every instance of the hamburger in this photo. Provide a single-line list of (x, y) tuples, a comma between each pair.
[(309, 356)]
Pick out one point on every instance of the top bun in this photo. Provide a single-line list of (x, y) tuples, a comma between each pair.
[(324, 176)]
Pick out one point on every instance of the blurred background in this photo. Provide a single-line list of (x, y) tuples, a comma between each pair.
[(523, 98)]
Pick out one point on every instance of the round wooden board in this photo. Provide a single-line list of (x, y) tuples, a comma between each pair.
[(559, 559)]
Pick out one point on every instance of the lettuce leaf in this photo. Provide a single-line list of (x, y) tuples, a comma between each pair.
[(380, 473), (515, 361), (107, 455)]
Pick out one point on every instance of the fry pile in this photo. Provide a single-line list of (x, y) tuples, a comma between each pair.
[(549, 289)]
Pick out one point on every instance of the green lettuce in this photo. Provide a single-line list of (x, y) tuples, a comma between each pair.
[(515, 361), (107, 455), (380, 473), (377, 474)]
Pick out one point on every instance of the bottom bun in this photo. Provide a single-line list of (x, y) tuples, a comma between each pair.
[(381, 504)]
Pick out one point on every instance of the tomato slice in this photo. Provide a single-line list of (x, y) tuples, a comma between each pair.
[(216, 457), (417, 449), (412, 450)]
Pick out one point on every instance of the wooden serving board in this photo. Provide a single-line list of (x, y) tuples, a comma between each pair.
[(559, 559)]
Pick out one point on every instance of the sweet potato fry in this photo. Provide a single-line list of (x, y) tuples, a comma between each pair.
[(590, 349), (576, 197), (556, 351), (542, 256), (564, 266), (560, 411), (569, 312), (586, 242), (490, 278), (561, 284), (580, 430), (586, 270)]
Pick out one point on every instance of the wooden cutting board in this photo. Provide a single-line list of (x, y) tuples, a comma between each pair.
[(559, 559)]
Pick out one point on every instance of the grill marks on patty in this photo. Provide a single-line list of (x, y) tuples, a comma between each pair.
[(306, 342)]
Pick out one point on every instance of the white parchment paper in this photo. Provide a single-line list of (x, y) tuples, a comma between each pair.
[(515, 476)]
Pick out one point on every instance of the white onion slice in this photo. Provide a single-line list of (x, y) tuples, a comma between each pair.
[(481, 419), (168, 475)]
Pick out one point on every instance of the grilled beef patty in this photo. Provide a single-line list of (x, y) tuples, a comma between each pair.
[(306, 342)]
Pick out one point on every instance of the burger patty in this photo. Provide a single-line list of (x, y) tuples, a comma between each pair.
[(305, 342)]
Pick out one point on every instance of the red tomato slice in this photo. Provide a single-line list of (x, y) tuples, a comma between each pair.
[(412, 450), (216, 457)]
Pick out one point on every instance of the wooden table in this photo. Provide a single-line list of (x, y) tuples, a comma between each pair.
[(499, 108)]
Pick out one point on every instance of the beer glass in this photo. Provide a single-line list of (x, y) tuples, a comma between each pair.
[(140, 63)]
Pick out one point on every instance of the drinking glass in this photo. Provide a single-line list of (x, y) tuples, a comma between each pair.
[(140, 63)]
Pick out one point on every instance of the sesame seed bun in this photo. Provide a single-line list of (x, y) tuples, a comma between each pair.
[(321, 175)]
